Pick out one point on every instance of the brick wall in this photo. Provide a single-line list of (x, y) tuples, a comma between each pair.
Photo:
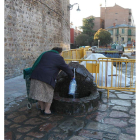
[(32, 28), (115, 14)]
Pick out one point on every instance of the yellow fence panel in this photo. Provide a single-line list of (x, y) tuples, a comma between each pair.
[(92, 68), (109, 73), (119, 77)]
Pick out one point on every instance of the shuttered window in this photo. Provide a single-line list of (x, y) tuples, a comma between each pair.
[(117, 31), (129, 31), (122, 31)]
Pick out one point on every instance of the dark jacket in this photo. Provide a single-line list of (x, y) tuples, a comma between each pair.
[(48, 68)]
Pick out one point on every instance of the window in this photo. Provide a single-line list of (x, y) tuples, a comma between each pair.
[(117, 31), (129, 39), (129, 31), (111, 32), (122, 31), (122, 38)]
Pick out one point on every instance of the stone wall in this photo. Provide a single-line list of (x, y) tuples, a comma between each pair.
[(31, 27)]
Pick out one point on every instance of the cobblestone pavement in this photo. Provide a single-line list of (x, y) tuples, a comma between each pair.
[(113, 119)]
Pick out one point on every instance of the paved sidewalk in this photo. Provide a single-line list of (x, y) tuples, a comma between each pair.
[(14, 92), (113, 119)]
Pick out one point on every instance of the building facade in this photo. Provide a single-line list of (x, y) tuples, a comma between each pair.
[(74, 32), (32, 27), (115, 14), (123, 34)]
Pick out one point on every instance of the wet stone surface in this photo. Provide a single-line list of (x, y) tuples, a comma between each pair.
[(112, 119)]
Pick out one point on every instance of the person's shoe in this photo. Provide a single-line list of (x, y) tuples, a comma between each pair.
[(42, 111), (47, 113)]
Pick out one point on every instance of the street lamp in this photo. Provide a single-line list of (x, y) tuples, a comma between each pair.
[(98, 42), (70, 6)]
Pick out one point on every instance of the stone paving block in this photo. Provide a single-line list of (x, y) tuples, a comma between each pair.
[(20, 119), (132, 111), (91, 134), (6, 122), (121, 108), (115, 122), (8, 136), (126, 96), (127, 92), (78, 138), (24, 129), (108, 136), (47, 127), (55, 118), (103, 107), (132, 121), (118, 114), (28, 138), (15, 126), (104, 100), (126, 137), (112, 95), (18, 136), (35, 134), (117, 92), (34, 121), (57, 136), (13, 115), (100, 116), (121, 102), (131, 130), (23, 109), (134, 101), (71, 125), (103, 127)]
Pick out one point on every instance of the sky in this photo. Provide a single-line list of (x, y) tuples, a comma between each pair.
[(92, 7)]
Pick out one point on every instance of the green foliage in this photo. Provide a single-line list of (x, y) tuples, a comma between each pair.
[(87, 28), (88, 25), (82, 40), (103, 35)]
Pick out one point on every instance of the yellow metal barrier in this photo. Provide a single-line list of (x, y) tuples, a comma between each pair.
[(118, 77), (110, 77), (75, 53)]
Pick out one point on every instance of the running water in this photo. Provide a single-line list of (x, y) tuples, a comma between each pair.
[(72, 86)]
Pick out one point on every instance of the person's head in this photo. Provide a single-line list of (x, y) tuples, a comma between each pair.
[(58, 49)]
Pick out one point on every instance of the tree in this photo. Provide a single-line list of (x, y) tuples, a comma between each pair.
[(103, 35), (82, 40), (87, 28)]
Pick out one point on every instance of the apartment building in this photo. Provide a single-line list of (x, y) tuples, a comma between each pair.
[(122, 34), (115, 14)]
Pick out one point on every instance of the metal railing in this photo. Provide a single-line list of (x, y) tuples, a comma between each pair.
[(79, 53), (117, 74), (111, 73)]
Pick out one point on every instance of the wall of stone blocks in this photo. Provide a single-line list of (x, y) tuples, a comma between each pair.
[(31, 27)]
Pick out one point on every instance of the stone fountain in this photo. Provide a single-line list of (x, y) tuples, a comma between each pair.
[(86, 97)]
